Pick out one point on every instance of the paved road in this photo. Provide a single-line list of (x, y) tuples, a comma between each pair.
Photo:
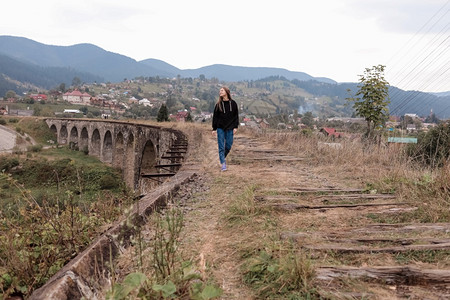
[(7, 139)]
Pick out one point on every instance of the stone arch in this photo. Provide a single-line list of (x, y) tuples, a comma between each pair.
[(149, 156), (129, 161), (95, 143), (147, 166), (63, 134), (73, 138), (119, 151), (107, 150), (84, 140), (54, 130)]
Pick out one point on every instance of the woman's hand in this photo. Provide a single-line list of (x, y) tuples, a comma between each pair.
[(234, 130)]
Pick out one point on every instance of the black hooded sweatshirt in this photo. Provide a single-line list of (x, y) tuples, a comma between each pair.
[(228, 118)]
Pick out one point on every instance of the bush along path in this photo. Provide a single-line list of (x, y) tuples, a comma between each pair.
[(271, 226)]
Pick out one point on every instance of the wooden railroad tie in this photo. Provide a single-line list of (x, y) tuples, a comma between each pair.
[(387, 274), (365, 249), (292, 206), (168, 165), (152, 175), (171, 156)]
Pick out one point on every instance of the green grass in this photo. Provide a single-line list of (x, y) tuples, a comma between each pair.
[(280, 274), (53, 172), (78, 156), (47, 107), (53, 203)]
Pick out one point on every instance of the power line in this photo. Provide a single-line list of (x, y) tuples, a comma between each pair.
[(423, 26), (427, 83), (424, 50), (405, 51), (429, 66)]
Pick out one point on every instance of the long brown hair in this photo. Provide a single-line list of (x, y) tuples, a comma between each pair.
[(219, 102)]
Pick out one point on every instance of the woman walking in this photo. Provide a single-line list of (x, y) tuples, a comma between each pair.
[(225, 123)]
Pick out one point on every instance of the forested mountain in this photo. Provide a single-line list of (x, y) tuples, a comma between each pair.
[(82, 57), (115, 67), (21, 76)]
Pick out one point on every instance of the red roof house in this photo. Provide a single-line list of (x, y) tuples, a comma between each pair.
[(331, 132), (38, 97)]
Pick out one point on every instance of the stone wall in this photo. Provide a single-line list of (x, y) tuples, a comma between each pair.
[(122, 144)]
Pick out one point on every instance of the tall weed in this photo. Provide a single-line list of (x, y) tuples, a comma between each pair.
[(281, 273), (40, 237), (170, 277)]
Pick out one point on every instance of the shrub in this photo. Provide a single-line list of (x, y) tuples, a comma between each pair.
[(16, 150), (433, 148), (2, 121), (7, 163), (34, 148), (85, 150), (107, 182)]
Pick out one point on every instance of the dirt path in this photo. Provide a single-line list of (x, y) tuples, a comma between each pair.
[(218, 243)]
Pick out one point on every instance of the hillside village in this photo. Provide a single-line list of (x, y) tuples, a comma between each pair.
[(263, 104)]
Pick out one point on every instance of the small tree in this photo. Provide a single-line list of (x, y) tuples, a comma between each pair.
[(163, 114), (308, 119), (189, 118), (372, 99), (171, 101), (433, 147), (10, 94), (62, 87)]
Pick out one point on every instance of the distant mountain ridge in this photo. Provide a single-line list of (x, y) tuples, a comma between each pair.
[(39, 76), (115, 67), (86, 58), (234, 73)]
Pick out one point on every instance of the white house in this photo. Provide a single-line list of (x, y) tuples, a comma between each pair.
[(145, 102), (414, 116)]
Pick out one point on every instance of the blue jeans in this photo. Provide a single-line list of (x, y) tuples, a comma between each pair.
[(224, 141)]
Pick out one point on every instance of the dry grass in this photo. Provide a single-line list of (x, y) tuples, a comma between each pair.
[(235, 242), (383, 169)]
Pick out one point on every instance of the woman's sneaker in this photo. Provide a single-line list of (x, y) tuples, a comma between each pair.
[(224, 167)]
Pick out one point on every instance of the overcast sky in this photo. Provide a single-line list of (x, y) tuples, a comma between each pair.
[(337, 39)]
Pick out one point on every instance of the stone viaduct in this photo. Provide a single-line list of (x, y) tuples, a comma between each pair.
[(140, 151)]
